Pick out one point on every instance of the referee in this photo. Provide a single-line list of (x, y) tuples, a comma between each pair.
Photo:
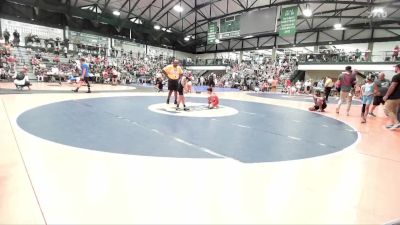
[(173, 72)]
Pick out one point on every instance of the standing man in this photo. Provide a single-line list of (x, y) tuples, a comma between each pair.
[(392, 99), (85, 75), (328, 87), (173, 72), (380, 89), (347, 82), (6, 35), (395, 55)]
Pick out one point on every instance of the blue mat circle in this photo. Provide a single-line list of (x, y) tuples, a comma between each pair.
[(124, 125)]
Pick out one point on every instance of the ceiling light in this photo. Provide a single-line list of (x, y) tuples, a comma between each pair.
[(378, 10), (163, 29), (136, 20), (169, 30), (187, 38), (248, 36), (307, 12), (178, 8), (157, 27), (338, 26), (116, 13)]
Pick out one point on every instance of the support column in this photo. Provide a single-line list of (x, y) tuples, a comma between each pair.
[(369, 52), (273, 55), (1, 29), (65, 33), (316, 49), (240, 56)]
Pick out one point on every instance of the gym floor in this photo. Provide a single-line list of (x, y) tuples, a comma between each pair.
[(121, 155)]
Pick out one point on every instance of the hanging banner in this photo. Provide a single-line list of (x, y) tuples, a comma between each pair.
[(288, 21), (212, 33)]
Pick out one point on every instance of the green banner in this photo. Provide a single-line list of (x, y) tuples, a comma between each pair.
[(288, 21), (212, 33)]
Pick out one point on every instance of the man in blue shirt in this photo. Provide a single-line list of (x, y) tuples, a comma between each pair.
[(85, 76)]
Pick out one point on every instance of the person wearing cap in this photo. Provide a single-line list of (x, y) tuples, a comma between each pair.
[(367, 91), (173, 72), (392, 99), (84, 76), (347, 81)]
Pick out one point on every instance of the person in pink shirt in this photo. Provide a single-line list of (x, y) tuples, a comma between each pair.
[(274, 84)]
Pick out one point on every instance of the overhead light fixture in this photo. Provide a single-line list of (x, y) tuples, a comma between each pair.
[(32, 19), (187, 38), (136, 20), (157, 27), (338, 26), (307, 12), (116, 13), (178, 8), (248, 36), (169, 30), (163, 29), (378, 10)]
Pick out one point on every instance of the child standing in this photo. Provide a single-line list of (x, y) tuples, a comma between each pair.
[(181, 98), (213, 100), (367, 91)]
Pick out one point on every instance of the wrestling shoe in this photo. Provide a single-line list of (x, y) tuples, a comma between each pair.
[(394, 127)]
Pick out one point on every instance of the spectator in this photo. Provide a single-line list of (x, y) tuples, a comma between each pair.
[(16, 38), (395, 55), (328, 87), (22, 80), (380, 88), (6, 35), (392, 99)]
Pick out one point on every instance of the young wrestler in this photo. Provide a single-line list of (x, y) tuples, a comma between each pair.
[(181, 99), (319, 102), (367, 91), (213, 100)]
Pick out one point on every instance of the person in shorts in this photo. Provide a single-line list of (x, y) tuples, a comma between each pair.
[(85, 76), (173, 72), (367, 91), (381, 87), (181, 86), (392, 100)]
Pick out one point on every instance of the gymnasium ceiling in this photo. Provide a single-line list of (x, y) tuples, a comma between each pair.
[(197, 13)]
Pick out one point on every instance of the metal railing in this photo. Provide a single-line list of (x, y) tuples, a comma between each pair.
[(352, 57)]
